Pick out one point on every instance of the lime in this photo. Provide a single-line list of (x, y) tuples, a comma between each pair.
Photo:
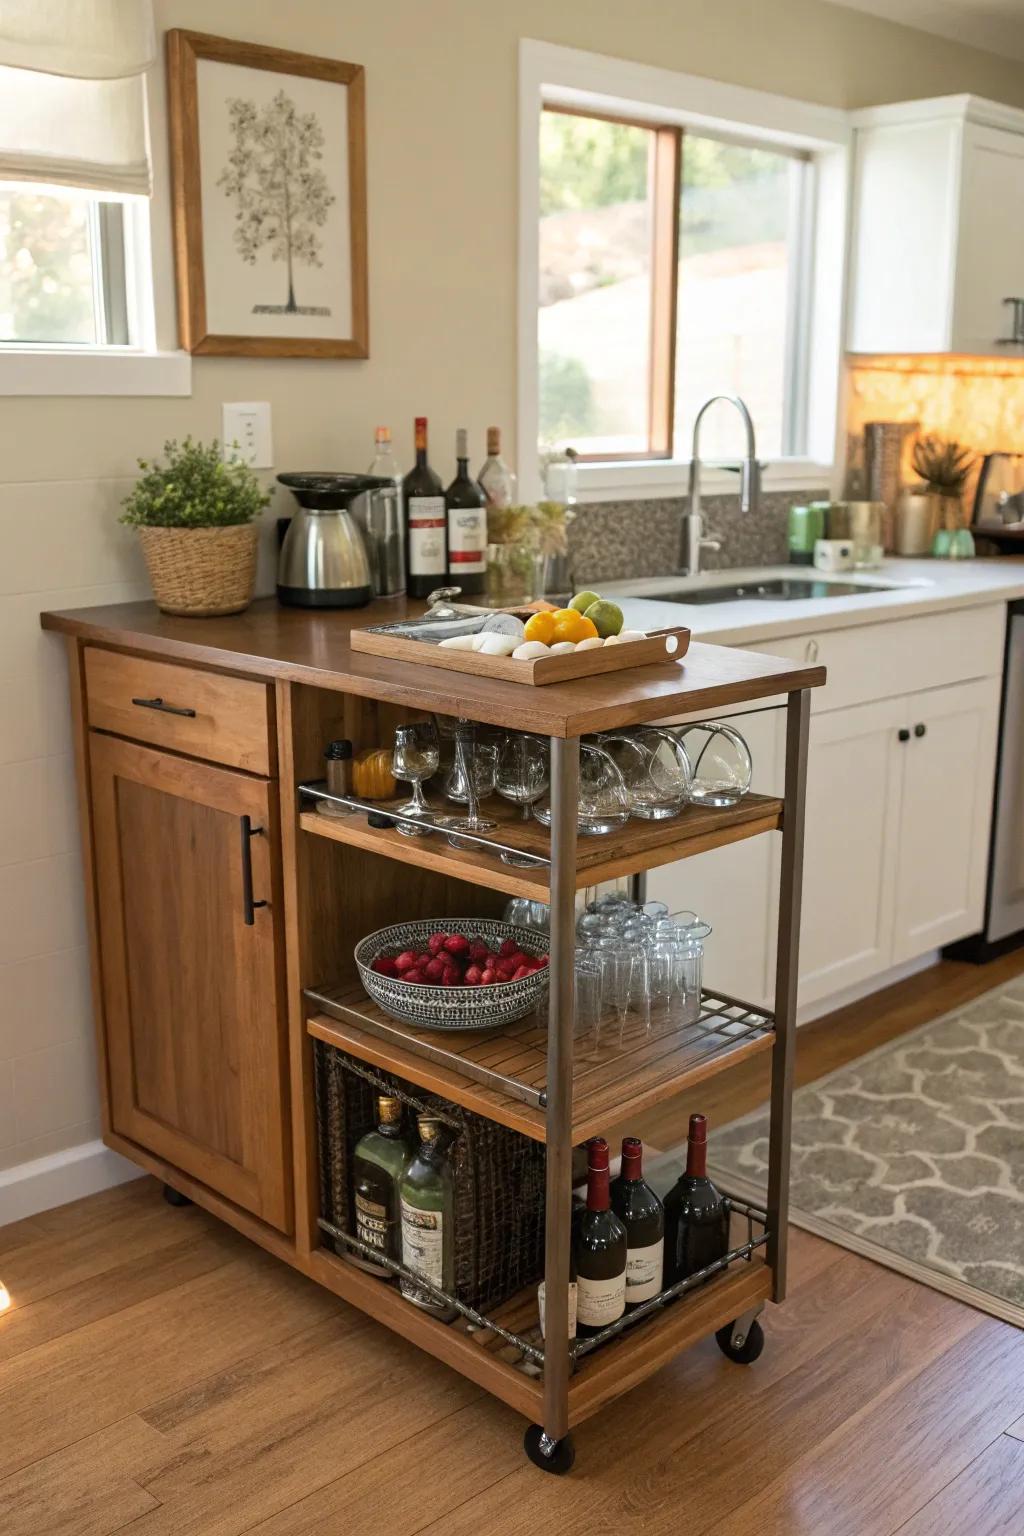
[(584, 600), (606, 618)]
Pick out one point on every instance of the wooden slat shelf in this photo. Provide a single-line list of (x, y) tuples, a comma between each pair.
[(489, 1360), (622, 1076), (641, 845)]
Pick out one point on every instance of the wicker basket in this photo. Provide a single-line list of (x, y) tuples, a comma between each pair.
[(498, 1177), (201, 572)]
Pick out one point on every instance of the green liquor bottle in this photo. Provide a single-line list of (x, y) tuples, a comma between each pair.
[(378, 1162), (427, 1201)]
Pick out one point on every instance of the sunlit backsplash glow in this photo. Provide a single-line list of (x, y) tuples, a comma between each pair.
[(978, 401)]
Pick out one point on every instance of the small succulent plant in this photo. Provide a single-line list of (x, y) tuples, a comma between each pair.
[(942, 464)]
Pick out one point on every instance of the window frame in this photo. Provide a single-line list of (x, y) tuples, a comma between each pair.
[(130, 363), (556, 78)]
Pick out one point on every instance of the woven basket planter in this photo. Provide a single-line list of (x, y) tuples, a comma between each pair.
[(201, 572)]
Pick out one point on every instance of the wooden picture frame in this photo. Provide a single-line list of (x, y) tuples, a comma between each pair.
[(260, 248)]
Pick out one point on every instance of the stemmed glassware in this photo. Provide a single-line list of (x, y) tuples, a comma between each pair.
[(414, 759), (522, 777), (470, 780)]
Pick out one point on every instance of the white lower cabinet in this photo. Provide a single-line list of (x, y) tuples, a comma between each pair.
[(899, 804), (945, 816)]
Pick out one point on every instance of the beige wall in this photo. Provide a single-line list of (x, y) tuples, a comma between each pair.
[(441, 78)]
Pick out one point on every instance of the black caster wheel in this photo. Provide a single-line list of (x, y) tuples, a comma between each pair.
[(554, 1456), (749, 1350), (175, 1197)]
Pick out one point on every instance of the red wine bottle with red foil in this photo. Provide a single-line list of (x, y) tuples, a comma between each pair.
[(696, 1215), (599, 1250), (426, 523), (467, 525), (643, 1216)]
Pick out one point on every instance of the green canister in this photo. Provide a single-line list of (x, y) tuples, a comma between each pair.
[(806, 525)]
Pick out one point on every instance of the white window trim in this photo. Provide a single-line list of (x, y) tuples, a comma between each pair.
[(549, 73), (139, 369)]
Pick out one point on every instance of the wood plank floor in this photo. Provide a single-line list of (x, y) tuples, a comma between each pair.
[(159, 1376)]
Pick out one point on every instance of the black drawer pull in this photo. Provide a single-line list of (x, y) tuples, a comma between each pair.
[(248, 905), (919, 730), (903, 733), (167, 709)]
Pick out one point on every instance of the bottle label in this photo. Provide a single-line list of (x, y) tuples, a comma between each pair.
[(372, 1225), (423, 1244), (426, 536), (600, 1302), (467, 540), (643, 1272)]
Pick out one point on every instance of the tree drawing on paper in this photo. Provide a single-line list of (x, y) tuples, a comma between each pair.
[(280, 192)]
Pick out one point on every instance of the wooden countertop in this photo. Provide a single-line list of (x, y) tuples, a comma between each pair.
[(307, 646)]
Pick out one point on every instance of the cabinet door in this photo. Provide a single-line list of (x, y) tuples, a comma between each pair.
[(990, 256), (948, 768), (851, 827), (192, 995), (731, 887)]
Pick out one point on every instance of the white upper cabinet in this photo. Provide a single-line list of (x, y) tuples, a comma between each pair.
[(938, 227)]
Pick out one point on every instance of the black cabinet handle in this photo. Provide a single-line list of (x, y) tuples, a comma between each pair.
[(248, 905), (903, 734), (1016, 336), (920, 730), (167, 709)]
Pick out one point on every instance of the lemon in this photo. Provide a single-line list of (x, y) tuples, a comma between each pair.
[(584, 600), (540, 627), (606, 618)]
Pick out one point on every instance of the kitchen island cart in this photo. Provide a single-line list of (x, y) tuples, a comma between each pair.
[(220, 986)]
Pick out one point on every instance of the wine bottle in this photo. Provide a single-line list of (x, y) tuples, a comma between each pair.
[(467, 525), (599, 1250), (643, 1216), (696, 1215), (426, 544), (497, 480), (427, 1202), (378, 1162), (385, 465)]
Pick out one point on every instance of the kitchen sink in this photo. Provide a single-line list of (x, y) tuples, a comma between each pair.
[(776, 589)]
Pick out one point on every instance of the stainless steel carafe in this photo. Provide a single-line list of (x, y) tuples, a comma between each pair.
[(323, 561)]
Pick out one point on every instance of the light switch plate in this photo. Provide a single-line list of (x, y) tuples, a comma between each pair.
[(247, 424)]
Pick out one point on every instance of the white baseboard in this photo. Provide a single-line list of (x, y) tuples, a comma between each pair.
[(68, 1175), (865, 988)]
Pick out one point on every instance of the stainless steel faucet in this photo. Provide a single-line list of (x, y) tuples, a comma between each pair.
[(750, 485)]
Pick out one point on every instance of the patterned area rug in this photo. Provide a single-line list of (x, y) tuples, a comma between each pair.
[(914, 1154)]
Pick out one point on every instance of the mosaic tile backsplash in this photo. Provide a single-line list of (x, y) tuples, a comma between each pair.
[(614, 540)]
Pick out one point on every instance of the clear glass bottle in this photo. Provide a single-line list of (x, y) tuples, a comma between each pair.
[(385, 465), (496, 479), (378, 1162), (427, 1201), (385, 520)]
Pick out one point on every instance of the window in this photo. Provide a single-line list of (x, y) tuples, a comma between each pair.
[(62, 268), (671, 267)]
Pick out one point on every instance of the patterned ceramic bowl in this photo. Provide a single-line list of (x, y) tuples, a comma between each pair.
[(434, 1007)]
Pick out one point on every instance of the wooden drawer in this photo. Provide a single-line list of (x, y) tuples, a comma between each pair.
[(225, 719), (882, 661)]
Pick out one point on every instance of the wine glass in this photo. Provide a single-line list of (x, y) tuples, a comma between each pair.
[(522, 777), (415, 758), (470, 780)]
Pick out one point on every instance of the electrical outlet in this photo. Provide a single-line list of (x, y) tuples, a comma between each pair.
[(246, 433)]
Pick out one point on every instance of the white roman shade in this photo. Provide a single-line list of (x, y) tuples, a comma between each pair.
[(73, 93)]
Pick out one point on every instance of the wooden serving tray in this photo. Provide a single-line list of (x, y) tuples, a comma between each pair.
[(660, 645)]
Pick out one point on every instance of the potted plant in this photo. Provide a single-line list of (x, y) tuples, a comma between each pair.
[(195, 516), (943, 466)]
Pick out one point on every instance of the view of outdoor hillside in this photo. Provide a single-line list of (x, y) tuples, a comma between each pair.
[(595, 286)]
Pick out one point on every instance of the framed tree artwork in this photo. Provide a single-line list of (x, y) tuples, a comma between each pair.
[(268, 168)]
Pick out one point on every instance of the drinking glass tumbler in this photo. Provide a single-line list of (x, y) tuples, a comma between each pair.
[(587, 982), (470, 780), (415, 758)]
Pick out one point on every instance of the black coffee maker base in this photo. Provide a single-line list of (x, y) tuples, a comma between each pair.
[(307, 597)]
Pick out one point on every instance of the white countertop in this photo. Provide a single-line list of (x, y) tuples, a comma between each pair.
[(907, 588)]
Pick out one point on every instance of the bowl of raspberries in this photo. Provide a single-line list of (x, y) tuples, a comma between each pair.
[(454, 973)]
